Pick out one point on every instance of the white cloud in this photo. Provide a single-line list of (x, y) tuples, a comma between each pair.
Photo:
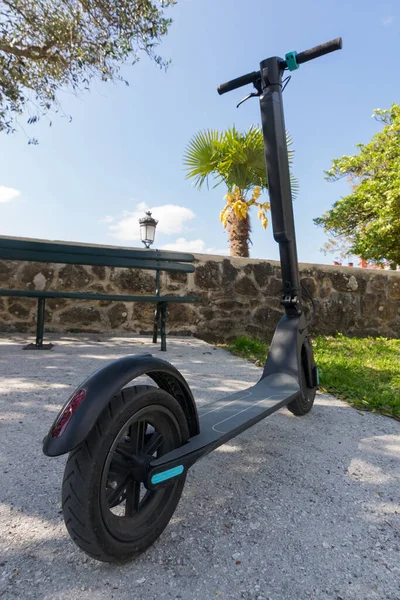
[(197, 246), (171, 220), (7, 194), (387, 20), (218, 252), (183, 245), (107, 219)]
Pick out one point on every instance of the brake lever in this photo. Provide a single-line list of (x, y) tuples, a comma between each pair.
[(252, 95), (257, 85)]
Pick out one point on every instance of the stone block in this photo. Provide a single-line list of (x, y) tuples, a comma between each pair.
[(56, 303), (117, 314), (229, 274), (325, 287), (7, 270), (134, 281), (177, 277), (143, 312), (245, 286), (261, 272), (394, 288), (80, 316), (19, 309), (340, 280), (231, 304), (311, 285), (378, 283), (337, 314), (223, 329), (99, 272), (208, 276), (375, 304), (73, 278), (36, 276), (266, 317), (274, 287), (208, 312), (182, 314)]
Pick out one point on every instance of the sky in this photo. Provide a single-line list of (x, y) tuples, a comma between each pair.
[(91, 179)]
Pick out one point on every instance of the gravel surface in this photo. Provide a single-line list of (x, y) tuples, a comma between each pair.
[(292, 509)]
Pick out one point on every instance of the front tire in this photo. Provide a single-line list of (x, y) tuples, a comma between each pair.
[(303, 403), (107, 511)]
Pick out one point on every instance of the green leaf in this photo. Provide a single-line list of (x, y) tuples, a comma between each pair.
[(49, 45), (368, 219)]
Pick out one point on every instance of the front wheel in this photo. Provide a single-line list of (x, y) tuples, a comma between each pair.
[(107, 510), (303, 403)]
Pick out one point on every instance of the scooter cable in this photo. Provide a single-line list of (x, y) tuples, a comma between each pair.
[(312, 302)]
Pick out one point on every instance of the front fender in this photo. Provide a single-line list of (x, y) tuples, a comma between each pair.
[(102, 385)]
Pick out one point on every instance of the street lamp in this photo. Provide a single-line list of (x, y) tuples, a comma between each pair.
[(147, 229)]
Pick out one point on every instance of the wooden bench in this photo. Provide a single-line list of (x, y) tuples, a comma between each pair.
[(68, 253)]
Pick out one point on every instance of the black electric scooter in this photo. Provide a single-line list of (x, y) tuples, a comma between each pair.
[(131, 447)]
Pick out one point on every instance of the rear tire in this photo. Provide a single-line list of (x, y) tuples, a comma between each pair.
[(107, 511)]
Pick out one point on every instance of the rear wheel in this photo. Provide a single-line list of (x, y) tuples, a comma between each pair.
[(107, 510)]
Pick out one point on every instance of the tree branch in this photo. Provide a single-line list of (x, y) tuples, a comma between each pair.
[(31, 52)]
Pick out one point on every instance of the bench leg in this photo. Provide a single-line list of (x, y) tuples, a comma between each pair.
[(163, 323), (157, 312), (156, 321), (38, 345)]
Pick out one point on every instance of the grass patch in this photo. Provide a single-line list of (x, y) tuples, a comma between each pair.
[(254, 350), (363, 371)]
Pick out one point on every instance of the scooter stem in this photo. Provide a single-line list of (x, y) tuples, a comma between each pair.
[(276, 157)]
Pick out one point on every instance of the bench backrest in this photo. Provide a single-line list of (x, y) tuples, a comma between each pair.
[(65, 253)]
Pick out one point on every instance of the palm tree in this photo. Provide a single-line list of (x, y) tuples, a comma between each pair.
[(237, 160)]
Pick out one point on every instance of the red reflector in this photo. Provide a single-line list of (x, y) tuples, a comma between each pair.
[(66, 414)]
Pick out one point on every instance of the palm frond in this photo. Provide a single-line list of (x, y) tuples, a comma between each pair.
[(233, 157), (294, 182), (199, 157)]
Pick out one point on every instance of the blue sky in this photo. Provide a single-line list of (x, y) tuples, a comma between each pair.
[(90, 180)]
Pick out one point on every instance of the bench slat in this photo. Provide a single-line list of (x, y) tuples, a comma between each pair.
[(89, 259), (57, 248), (86, 296)]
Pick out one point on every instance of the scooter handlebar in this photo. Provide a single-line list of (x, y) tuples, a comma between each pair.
[(302, 57), (238, 82), (318, 51)]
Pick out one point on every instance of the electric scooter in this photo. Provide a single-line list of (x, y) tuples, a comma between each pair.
[(130, 447)]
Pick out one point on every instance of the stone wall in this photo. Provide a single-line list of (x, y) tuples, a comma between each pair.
[(238, 296)]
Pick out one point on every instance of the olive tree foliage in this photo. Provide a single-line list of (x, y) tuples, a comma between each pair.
[(367, 221), (48, 45)]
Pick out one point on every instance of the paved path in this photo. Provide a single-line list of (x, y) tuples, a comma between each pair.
[(293, 509)]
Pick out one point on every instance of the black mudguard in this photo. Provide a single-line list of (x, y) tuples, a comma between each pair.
[(291, 350), (102, 385)]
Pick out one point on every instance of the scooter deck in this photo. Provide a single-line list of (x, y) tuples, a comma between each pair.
[(223, 419)]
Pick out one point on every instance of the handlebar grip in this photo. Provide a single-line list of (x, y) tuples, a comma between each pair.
[(238, 82), (320, 50)]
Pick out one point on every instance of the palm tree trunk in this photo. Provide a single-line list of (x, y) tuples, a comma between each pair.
[(239, 235)]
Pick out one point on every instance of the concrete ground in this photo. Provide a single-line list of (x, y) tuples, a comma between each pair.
[(293, 509)]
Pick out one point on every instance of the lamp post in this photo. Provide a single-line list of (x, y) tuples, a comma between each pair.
[(147, 229)]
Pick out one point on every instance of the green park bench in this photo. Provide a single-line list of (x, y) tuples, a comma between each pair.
[(66, 253)]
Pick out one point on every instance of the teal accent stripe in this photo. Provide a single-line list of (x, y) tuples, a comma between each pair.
[(291, 61), (164, 475)]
